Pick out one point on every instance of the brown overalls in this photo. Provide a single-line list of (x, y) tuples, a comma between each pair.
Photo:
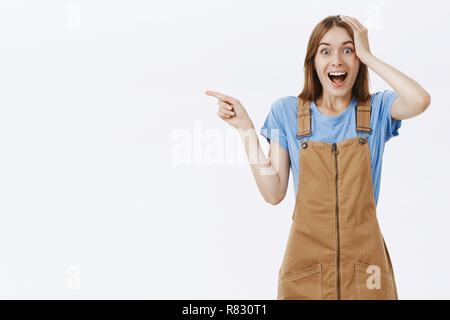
[(335, 248)]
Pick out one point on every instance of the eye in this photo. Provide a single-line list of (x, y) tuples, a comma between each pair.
[(349, 49), (323, 50)]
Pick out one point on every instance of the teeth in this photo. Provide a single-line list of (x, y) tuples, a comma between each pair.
[(337, 73)]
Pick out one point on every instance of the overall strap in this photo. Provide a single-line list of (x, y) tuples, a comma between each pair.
[(363, 112), (303, 118)]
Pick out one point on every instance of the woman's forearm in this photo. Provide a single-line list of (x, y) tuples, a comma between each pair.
[(409, 90), (266, 176)]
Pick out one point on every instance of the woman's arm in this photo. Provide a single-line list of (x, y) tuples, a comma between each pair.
[(412, 98), (271, 174)]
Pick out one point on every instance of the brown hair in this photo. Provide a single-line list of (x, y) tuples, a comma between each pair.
[(312, 88)]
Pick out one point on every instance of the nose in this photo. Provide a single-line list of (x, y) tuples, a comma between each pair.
[(336, 61)]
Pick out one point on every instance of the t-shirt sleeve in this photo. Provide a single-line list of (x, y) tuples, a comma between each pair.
[(391, 126), (273, 128)]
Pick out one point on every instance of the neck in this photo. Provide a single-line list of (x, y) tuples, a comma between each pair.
[(334, 103)]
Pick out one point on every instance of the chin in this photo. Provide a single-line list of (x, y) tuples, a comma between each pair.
[(338, 92)]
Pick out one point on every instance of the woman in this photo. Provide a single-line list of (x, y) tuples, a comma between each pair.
[(332, 136)]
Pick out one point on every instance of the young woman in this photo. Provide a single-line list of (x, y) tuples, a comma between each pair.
[(332, 137)]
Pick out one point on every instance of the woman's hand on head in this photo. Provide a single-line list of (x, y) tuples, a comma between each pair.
[(231, 111), (361, 37)]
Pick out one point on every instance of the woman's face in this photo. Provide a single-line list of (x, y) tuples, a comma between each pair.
[(336, 53)]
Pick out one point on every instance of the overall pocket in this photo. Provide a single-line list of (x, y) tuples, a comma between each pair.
[(304, 284), (372, 283)]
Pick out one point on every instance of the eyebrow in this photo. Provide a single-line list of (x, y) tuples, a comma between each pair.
[(327, 44)]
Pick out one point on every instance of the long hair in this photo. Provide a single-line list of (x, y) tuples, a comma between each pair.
[(312, 88)]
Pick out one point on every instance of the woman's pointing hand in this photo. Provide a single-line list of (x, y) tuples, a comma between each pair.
[(231, 110)]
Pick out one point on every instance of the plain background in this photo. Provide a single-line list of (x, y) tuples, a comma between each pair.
[(111, 184)]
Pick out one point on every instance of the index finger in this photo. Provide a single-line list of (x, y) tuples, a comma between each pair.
[(219, 96)]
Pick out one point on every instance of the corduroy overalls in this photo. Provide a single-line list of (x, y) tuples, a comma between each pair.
[(335, 248)]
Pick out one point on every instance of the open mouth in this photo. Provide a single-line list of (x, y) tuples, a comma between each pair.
[(337, 78)]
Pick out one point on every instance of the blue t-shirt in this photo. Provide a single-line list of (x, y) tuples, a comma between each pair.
[(281, 125)]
